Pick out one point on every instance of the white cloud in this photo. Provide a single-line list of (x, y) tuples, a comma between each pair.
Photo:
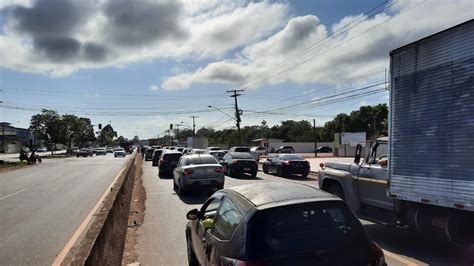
[(154, 88), (356, 51), (96, 34)]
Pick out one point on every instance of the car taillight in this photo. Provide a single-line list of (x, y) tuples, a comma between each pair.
[(187, 172), (248, 263), (376, 256), (235, 162), (220, 170), (163, 161), (321, 165), (286, 162)]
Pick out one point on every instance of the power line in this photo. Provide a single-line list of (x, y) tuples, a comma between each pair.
[(331, 48)]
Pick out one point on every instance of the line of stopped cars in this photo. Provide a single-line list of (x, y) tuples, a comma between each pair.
[(89, 152), (268, 223)]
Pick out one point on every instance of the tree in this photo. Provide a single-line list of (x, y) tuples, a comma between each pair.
[(78, 130), (107, 135), (48, 126), (121, 139), (136, 140)]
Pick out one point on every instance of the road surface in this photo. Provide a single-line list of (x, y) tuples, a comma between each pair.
[(43, 205), (161, 238)]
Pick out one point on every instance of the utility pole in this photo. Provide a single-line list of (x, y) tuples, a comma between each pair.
[(315, 143), (238, 112), (194, 124)]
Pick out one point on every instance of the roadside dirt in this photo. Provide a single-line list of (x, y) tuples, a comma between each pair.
[(9, 166), (135, 218)]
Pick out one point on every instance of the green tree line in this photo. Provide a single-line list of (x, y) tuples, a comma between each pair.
[(369, 119)]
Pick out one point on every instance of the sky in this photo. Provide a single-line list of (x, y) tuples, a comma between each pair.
[(141, 65)]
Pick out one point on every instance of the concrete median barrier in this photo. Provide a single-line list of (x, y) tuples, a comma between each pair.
[(102, 240)]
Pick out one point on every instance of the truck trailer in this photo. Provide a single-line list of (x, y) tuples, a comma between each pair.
[(422, 174)]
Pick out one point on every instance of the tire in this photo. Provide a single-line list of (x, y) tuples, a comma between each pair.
[(192, 260), (181, 191), (254, 175), (229, 172), (279, 172), (304, 175), (265, 170), (77, 156), (336, 190)]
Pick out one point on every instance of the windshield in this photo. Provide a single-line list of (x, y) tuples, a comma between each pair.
[(292, 157), (242, 156), (172, 157), (306, 227), (201, 160)]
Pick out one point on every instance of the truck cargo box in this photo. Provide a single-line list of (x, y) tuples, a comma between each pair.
[(432, 119)]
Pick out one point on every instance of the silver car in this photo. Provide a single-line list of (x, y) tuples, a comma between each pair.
[(198, 172)]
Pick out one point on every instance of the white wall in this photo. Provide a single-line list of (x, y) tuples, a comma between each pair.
[(300, 147)]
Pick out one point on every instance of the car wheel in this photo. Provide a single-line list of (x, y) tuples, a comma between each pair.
[(229, 172), (192, 260), (77, 156), (180, 190), (254, 175), (305, 175), (265, 170), (336, 190)]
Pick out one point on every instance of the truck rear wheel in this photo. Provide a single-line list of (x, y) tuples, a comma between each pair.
[(336, 190)]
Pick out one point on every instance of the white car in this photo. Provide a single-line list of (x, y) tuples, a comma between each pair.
[(259, 150), (119, 152), (41, 149)]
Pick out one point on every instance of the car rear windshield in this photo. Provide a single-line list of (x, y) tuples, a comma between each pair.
[(218, 154), (242, 149), (173, 157), (242, 156), (306, 227), (201, 160), (292, 157)]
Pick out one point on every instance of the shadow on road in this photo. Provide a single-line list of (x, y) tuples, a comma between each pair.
[(420, 246), (245, 176), (195, 197)]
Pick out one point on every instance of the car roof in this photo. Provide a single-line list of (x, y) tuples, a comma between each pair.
[(266, 195), (171, 152), (198, 155)]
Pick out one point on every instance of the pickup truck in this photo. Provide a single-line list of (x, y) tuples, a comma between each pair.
[(422, 174)]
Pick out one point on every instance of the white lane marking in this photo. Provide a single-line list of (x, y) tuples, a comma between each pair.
[(60, 257), (399, 258), (7, 196), (8, 239)]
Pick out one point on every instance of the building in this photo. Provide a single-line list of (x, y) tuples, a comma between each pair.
[(266, 142), (14, 138)]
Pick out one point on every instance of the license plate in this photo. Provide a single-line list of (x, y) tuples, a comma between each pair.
[(205, 182), (246, 169)]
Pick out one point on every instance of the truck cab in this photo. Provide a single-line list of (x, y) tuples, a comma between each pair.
[(363, 183)]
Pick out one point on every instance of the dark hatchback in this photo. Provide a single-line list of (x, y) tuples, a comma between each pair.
[(168, 162), (149, 154), (238, 163), (286, 165), (277, 223), (156, 157)]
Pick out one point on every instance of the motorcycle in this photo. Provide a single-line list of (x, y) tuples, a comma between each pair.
[(34, 158)]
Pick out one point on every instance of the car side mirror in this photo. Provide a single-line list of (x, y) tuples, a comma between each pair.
[(192, 214), (357, 154)]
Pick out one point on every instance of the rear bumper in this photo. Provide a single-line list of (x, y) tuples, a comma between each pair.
[(202, 184), (291, 170), (242, 170)]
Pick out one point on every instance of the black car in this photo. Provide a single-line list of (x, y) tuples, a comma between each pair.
[(84, 153), (240, 149), (156, 156), (323, 149), (286, 164), (277, 223), (168, 161), (285, 149), (149, 154), (238, 163)]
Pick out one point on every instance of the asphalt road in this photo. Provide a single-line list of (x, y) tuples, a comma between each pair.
[(43, 205), (162, 242)]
